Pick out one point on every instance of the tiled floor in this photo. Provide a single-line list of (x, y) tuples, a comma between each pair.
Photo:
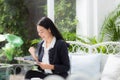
[(16, 77), (20, 77)]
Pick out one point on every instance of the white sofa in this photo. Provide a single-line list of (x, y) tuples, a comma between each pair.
[(95, 62)]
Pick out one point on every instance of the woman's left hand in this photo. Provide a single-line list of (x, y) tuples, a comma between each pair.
[(45, 66)]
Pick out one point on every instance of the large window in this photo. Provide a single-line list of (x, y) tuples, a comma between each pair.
[(65, 15)]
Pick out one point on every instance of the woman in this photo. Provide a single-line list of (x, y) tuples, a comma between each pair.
[(52, 52)]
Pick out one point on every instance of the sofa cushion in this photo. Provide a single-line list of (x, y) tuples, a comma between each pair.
[(103, 61), (88, 64), (112, 68), (36, 79), (53, 77)]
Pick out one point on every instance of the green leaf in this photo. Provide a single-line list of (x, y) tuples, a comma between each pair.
[(15, 40), (110, 28), (9, 50)]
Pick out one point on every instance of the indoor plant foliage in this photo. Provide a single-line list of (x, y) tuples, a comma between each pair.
[(110, 30), (12, 47)]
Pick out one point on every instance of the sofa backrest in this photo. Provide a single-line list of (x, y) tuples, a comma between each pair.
[(80, 49), (104, 47)]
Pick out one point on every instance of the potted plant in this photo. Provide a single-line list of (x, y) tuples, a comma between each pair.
[(110, 30), (11, 47)]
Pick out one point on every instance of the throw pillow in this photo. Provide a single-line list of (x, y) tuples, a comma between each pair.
[(112, 68), (88, 64)]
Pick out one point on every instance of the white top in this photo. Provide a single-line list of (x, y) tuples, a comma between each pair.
[(45, 58)]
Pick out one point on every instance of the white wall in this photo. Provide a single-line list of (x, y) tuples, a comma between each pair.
[(85, 13), (91, 14), (104, 8), (81, 14)]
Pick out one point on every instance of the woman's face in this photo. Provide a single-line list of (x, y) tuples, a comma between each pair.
[(43, 32)]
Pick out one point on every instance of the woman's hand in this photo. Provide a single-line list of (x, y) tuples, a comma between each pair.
[(32, 51), (45, 66)]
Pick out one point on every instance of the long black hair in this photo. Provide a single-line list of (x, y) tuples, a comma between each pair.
[(48, 24)]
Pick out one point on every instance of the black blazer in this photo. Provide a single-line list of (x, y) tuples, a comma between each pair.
[(58, 56)]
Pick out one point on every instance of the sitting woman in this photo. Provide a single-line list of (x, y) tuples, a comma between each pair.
[(52, 52)]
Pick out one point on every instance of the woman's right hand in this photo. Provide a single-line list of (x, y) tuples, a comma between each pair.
[(32, 51)]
